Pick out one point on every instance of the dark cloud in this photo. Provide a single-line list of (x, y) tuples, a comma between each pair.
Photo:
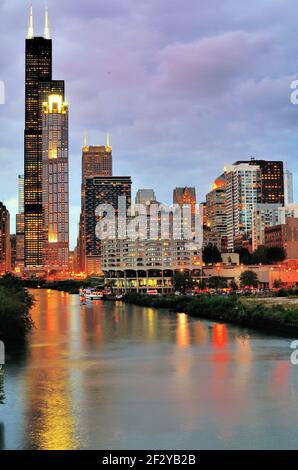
[(183, 87)]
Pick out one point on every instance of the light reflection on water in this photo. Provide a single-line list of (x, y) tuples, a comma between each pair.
[(107, 376)]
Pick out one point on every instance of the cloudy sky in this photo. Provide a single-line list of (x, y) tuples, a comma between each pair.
[(183, 87)]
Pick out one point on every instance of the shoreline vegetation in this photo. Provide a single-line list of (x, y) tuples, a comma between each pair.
[(15, 306), (274, 319), (71, 286)]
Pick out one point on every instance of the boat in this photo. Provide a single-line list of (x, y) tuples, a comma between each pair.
[(91, 294)]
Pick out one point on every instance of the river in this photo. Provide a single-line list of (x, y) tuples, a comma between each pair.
[(114, 376)]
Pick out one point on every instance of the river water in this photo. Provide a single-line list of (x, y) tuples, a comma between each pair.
[(114, 376)]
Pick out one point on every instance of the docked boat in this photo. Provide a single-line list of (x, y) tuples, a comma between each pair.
[(91, 294)]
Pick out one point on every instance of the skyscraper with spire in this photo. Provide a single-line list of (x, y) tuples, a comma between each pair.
[(38, 86)]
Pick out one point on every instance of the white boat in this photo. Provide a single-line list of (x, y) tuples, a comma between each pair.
[(90, 294)]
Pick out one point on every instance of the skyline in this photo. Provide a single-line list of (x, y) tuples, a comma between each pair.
[(152, 66)]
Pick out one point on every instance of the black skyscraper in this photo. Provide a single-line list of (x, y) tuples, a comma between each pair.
[(38, 85)]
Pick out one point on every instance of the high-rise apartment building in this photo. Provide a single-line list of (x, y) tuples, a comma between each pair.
[(243, 191), (55, 184), (272, 179), (216, 211), (38, 86), (288, 186), (5, 251), (263, 215)]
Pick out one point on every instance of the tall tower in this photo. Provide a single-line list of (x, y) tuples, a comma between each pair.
[(20, 227), (5, 258), (97, 161), (243, 192), (289, 189), (38, 86), (272, 179), (55, 194)]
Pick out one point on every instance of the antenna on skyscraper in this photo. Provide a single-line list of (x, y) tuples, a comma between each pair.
[(108, 140), (47, 32), (85, 139), (30, 26)]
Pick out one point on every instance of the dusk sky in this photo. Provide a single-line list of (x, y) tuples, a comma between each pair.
[(183, 87)]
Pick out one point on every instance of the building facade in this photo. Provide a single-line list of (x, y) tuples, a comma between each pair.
[(216, 212), (38, 86), (272, 180), (99, 191), (145, 196), (55, 183), (5, 249), (97, 161), (243, 193), (264, 215), (284, 236), (20, 228), (288, 187)]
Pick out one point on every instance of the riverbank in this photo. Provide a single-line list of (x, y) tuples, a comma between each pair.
[(275, 319), (15, 306)]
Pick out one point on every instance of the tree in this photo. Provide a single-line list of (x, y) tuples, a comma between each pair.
[(11, 282), (182, 282), (277, 283), (211, 254), (249, 279), (233, 285), (217, 282), (202, 284), (244, 255), (276, 253), (260, 255)]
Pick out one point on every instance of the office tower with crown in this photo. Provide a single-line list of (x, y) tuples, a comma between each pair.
[(97, 161), (38, 86), (55, 184)]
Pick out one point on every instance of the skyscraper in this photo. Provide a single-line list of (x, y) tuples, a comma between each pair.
[(185, 196), (97, 161), (289, 189), (272, 179), (244, 186), (55, 194), (102, 190), (216, 211), (38, 86), (145, 196), (5, 253), (20, 227)]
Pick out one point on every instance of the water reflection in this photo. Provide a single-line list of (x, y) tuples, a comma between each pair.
[(109, 375)]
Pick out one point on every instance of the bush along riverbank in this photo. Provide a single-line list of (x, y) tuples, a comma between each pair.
[(15, 318), (71, 286), (275, 319)]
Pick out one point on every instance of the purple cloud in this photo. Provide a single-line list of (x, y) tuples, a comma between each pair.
[(183, 88)]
